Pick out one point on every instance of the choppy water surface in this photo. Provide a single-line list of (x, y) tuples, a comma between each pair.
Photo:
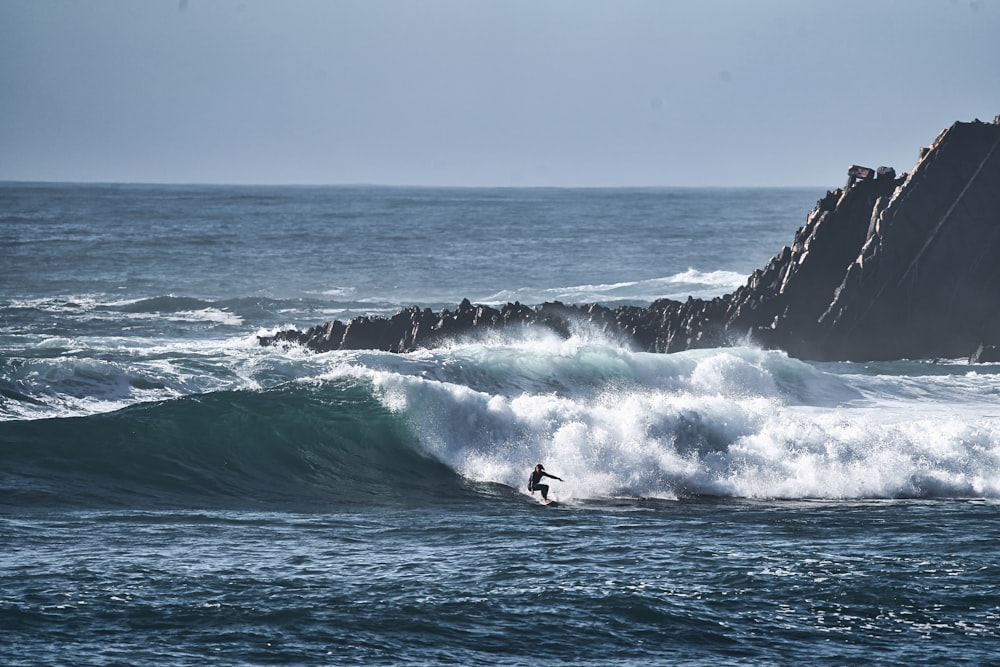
[(173, 494), (888, 582)]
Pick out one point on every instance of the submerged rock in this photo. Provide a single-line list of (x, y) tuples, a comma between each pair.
[(885, 268)]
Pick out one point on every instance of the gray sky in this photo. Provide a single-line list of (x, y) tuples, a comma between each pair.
[(504, 92)]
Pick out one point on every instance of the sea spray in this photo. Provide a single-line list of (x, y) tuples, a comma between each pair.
[(733, 423)]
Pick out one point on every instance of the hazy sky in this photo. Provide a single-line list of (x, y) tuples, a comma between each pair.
[(504, 92)]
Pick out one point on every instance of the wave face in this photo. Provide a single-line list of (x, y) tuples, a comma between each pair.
[(472, 419), (299, 445)]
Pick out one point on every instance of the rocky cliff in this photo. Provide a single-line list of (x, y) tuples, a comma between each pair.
[(885, 268)]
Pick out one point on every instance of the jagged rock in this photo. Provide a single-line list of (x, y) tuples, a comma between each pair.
[(985, 354), (887, 268), (926, 280)]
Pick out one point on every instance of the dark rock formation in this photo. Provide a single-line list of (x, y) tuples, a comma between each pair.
[(886, 268), (926, 280), (985, 354)]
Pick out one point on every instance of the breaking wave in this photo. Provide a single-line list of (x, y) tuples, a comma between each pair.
[(472, 419)]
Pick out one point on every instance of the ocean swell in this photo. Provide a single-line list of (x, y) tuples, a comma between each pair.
[(299, 445), (470, 420)]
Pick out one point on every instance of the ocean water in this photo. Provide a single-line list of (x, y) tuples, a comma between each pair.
[(173, 494)]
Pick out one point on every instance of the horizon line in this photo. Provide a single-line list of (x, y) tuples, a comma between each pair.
[(413, 186)]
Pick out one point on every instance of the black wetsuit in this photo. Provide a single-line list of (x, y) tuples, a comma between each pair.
[(536, 477)]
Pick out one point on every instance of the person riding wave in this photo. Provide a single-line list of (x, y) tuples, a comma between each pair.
[(534, 482)]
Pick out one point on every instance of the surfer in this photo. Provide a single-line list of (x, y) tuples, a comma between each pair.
[(533, 482)]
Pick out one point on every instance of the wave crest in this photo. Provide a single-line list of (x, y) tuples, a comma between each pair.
[(367, 426), (733, 423)]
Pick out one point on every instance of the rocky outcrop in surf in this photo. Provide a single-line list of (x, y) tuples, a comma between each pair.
[(887, 267)]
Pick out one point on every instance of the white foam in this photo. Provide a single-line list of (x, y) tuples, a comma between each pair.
[(719, 279), (740, 423), (112, 373), (340, 292), (691, 282), (214, 315)]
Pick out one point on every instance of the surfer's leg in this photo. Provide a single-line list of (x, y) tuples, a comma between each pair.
[(544, 488)]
